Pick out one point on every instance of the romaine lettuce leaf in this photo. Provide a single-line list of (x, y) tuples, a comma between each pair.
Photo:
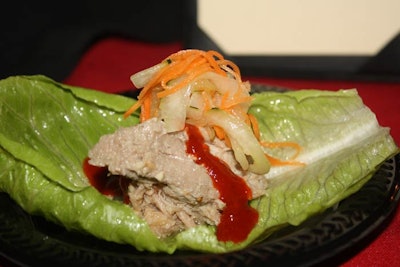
[(52, 126), (47, 128)]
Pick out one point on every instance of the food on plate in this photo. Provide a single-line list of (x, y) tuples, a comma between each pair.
[(197, 162)]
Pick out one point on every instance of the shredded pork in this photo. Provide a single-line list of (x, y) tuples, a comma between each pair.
[(168, 189)]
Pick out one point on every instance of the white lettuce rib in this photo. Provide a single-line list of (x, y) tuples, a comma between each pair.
[(359, 128)]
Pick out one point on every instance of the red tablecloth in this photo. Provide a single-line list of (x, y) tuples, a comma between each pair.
[(108, 64)]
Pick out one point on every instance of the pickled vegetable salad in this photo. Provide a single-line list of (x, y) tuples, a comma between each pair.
[(204, 89)]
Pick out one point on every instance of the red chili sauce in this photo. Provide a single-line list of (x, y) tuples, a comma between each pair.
[(112, 186), (237, 218)]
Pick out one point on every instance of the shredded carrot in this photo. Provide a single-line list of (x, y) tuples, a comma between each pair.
[(187, 79), (186, 65), (230, 67), (219, 132), (207, 101), (227, 141), (132, 109), (237, 100), (278, 162), (179, 67), (293, 145), (225, 99), (254, 125), (146, 108), (144, 93), (210, 56)]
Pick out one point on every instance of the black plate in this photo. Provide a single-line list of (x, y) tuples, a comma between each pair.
[(333, 235)]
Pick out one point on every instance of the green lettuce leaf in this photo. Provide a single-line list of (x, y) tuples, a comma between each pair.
[(52, 126), (47, 128)]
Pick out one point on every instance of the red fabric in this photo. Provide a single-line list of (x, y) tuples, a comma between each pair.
[(108, 65)]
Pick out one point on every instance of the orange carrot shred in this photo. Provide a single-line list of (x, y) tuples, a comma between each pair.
[(132, 109), (293, 145), (183, 83), (278, 162), (207, 101), (254, 125), (146, 106), (219, 132)]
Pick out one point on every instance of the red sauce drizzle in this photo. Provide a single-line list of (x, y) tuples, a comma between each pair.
[(237, 218), (113, 186)]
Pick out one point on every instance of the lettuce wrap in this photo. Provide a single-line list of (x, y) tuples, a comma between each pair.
[(47, 129)]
